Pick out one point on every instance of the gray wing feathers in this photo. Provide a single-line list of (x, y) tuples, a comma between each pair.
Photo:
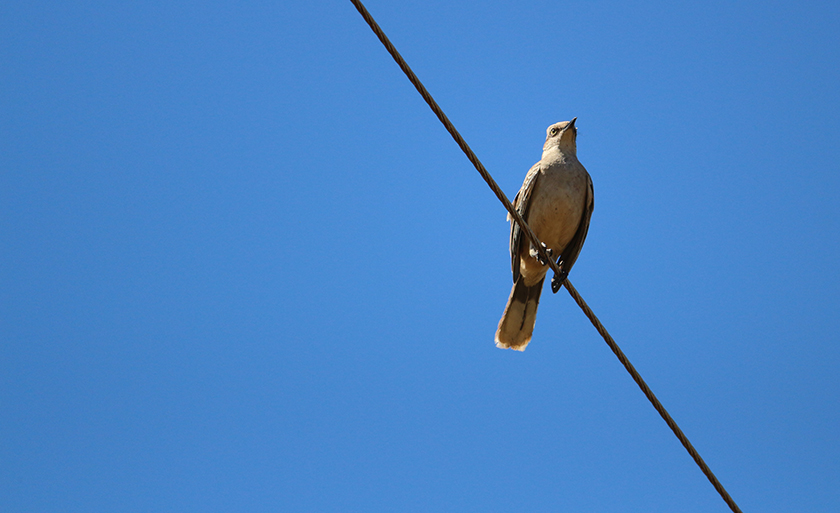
[(572, 250), (522, 203)]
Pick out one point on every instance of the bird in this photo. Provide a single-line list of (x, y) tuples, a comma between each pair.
[(556, 200)]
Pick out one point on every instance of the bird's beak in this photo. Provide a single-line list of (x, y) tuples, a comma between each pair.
[(570, 126)]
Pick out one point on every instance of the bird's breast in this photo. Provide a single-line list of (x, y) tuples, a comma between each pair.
[(557, 205)]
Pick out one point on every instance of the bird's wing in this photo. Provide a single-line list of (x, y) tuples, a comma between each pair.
[(522, 204), (572, 249)]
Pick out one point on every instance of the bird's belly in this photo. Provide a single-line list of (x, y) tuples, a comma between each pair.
[(555, 215)]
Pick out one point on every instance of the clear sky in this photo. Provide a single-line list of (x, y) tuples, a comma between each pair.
[(244, 268)]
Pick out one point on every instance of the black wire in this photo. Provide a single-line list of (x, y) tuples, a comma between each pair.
[(536, 243)]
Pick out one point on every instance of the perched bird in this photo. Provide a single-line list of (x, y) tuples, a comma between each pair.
[(556, 200)]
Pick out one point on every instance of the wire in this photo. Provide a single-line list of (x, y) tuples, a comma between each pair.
[(651, 397), (455, 135), (541, 249)]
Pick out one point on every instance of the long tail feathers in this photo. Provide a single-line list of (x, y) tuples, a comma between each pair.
[(517, 323)]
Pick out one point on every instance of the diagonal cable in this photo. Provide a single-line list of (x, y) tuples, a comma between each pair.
[(651, 397), (536, 244), (455, 135)]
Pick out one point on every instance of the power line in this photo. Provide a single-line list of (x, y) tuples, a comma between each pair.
[(544, 256)]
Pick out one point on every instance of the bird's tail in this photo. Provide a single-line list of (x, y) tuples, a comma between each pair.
[(517, 322)]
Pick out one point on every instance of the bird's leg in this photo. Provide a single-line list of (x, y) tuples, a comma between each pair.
[(558, 279), (536, 254)]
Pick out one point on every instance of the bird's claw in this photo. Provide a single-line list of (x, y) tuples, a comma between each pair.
[(557, 281), (548, 252)]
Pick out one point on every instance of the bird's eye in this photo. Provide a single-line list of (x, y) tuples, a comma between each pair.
[(554, 131)]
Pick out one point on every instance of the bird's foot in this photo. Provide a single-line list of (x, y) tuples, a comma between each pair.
[(557, 281), (540, 259)]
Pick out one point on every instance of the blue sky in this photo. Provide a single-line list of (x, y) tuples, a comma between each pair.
[(244, 268)]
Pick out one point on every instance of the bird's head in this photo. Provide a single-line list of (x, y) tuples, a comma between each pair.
[(561, 135)]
